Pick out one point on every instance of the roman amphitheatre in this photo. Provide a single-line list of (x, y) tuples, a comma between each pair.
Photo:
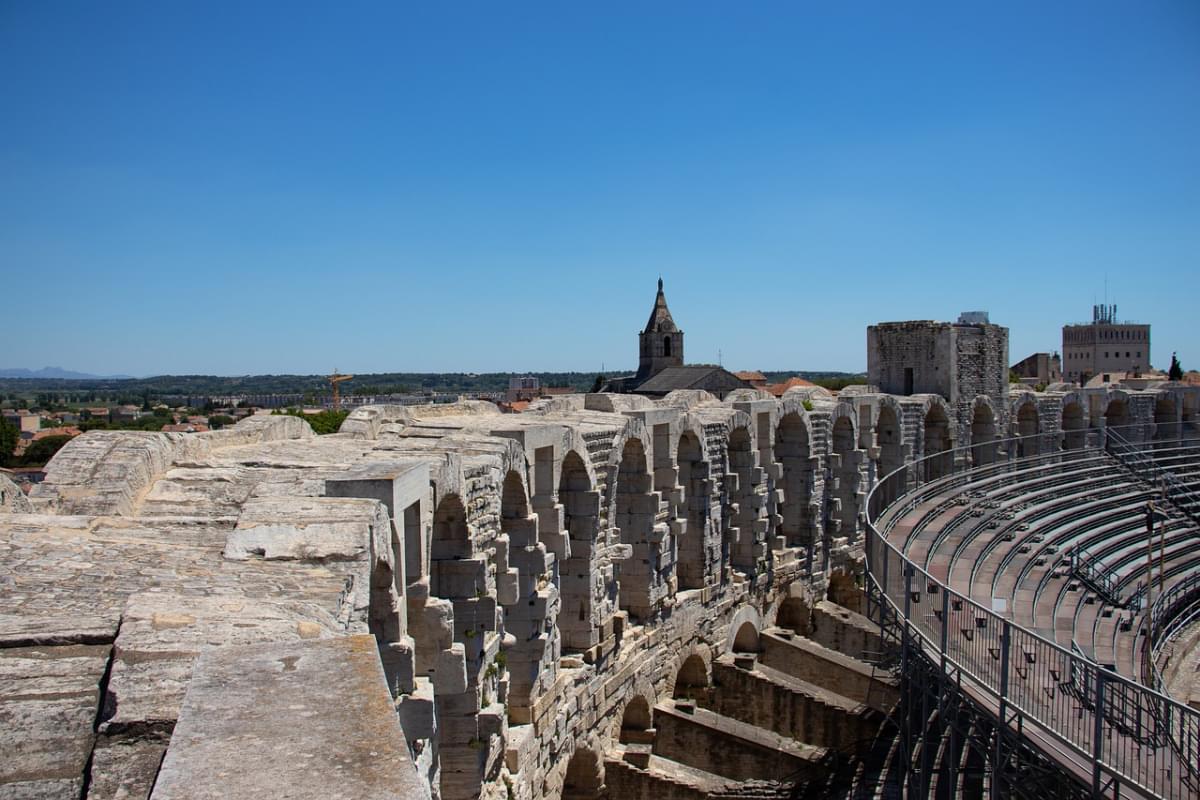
[(690, 594)]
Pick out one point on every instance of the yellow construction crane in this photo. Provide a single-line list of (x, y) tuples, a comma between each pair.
[(334, 380)]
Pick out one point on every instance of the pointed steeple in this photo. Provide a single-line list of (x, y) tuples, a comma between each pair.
[(660, 345), (660, 315)]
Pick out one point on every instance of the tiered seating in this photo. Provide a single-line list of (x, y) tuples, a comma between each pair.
[(1005, 534)]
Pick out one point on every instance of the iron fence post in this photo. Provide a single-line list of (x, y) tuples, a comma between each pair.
[(1098, 733)]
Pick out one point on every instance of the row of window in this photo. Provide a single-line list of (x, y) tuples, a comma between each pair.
[(1106, 335), (1114, 355)]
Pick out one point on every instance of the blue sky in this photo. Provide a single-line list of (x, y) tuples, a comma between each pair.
[(239, 188)]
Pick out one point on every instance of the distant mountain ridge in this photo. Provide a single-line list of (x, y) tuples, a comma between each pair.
[(56, 373)]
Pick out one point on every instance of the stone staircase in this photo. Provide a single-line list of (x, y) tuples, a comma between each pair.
[(796, 719)]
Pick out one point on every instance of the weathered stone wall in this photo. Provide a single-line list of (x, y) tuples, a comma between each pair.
[(528, 579)]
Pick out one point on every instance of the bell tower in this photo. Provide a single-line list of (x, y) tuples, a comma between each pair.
[(660, 345)]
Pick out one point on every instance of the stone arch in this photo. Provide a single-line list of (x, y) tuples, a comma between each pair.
[(889, 436), (845, 591), (584, 779), (938, 440), (1028, 425), (793, 452), (383, 618), (743, 616), (748, 528), (637, 721), (1189, 414), (585, 603), (795, 614), (983, 432), (644, 576), (449, 545), (845, 469), (693, 566), (745, 638), (1166, 418), (693, 677), (1116, 414), (1074, 422)]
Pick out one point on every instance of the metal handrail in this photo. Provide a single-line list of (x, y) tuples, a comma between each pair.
[(1088, 718)]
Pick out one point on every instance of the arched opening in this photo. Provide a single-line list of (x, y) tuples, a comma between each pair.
[(792, 451), (581, 590), (1117, 416), (937, 443), (891, 443), (846, 471), (1027, 429), (983, 435), (1074, 426), (694, 553), (844, 589), (691, 682), (637, 722), (1166, 420), (748, 528), (451, 544), (642, 582), (746, 639), (667, 346), (796, 615), (1189, 425), (585, 776), (383, 618)]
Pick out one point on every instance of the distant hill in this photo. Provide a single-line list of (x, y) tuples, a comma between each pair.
[(57, 373)]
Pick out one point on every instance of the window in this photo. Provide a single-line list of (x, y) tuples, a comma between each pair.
[(667, 346)]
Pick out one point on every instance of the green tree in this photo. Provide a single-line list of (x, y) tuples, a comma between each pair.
[(9, 435), (218, 421), (1175, 373), (322, 423), (40, 452), (598, 384)]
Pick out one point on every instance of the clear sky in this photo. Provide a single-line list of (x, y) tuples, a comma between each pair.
[(230, 188)]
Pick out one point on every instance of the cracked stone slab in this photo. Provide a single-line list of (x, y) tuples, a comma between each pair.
[(48, 702), (257, 717), (161, 635)]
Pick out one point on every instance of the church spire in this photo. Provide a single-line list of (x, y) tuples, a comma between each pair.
[(660, 316), (661, 343)]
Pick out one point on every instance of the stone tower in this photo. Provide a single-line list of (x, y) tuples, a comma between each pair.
[(661, 343)]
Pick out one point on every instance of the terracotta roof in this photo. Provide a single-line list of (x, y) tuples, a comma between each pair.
[(67, 430), (778, 389), (751, 375)]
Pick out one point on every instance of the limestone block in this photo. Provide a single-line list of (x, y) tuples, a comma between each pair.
[(508, 587), (450, 675), (48, 700), (257, 711), (417, 711), (399, 665), (125, 768)]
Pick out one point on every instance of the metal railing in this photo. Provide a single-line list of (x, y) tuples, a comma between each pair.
[(1143, 464), (1108, 730)]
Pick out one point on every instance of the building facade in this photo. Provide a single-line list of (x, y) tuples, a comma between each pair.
[(1104, 345)]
